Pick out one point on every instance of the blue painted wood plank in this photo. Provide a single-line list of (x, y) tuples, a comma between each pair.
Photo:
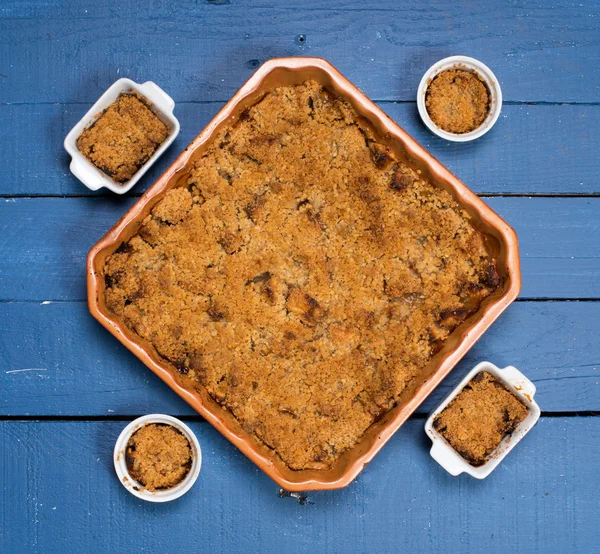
[(57, 360), (51, 237), (534, 149), (202, 51), (60, 494), (45, 242)]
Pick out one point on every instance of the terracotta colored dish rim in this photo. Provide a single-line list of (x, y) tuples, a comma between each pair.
[(277, 72)]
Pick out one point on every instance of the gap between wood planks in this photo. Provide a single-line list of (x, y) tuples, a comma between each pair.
[(200, 419)]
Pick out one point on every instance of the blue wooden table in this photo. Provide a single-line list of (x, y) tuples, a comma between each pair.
[(67, 388)]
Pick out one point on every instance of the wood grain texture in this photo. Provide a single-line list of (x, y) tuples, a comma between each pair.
[(57, 360), (533, 149), (45, 241), (200, 50), (63, 496)]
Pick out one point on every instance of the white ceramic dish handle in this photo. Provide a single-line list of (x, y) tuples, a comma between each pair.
[(86, 174), (159, 97), (440, 453), (519, 381)]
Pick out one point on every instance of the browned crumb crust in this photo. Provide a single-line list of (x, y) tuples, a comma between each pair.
[(158, 456), (303, 274), (479, 417), (123, 138), (457, 101)]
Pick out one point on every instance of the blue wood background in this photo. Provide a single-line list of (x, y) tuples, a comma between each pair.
[(67, 388)]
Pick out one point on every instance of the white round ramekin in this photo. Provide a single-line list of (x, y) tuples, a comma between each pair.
[(92, 177), (469, 64), (131, 484), (441, 450)]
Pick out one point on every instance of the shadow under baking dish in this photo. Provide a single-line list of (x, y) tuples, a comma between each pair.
[(500, 238)]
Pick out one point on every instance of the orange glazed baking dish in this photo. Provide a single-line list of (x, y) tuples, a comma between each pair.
[(500, 238)]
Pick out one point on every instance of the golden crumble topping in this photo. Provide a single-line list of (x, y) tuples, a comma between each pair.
[(479, 417), (123, 138), (158, 456), (304, 274), (457, 101)]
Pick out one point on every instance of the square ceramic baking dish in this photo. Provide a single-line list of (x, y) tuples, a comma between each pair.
[(442, 451), (500, 237), (92, 177)]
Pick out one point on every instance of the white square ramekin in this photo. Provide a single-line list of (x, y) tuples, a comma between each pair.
[(441, 450), (87, 172)]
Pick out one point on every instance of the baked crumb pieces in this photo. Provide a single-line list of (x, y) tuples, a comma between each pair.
[(158, 456), (123, 137), (304, 274), (479, 417), (457, 101)]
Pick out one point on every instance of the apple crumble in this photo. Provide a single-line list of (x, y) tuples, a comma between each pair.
[(158, 456), (457, 100), (303, 273), (124, 137), (479, 417)]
